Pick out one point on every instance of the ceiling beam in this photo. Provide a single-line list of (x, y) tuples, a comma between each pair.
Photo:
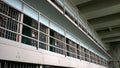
[(77, 2), (102, 12), (110, 29), (111, 40), (110, 34), (106, 24)]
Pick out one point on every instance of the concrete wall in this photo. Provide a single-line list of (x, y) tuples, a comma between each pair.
[(116, 52), (115, 49), (15, 51)]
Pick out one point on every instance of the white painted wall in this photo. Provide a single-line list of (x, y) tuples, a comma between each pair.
[(15, 51)]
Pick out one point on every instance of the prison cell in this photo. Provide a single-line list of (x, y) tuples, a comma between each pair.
[(4, 8), (29, 32), (101, 62), (10, 35), (43, 45), (97, 59), (30, 22), (78, 51), (86, 54), (58, 36), (43, 37), (34, 33), (29, 41), (8, 21), (3, 20), (82, 53), (57, 42), (71, 48), (43, 28), (13, 13), (34, 24), (43, 41), (92, 56), (29, 29)]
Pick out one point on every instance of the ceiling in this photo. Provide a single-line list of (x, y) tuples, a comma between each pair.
[(104, 16)]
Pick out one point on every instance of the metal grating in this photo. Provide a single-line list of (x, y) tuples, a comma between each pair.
[(8, 21), (71, 48), (43, 28), (57, 42), (10, 64)]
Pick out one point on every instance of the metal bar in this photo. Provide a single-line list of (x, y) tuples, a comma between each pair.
[(48, 43), (20, 27), (41, 66), (0, 64)]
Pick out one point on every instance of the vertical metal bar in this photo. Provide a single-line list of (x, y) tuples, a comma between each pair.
[(19, 65), (5, 27), (15, 14), (20, 27), (76, 50), (0, 64), (22, 65), (8, 10), (1, 4), (5, 64), (10, 13), (41, 66), (32, 66), (48, 39), (88, 55), (25, 66), (9, 35), (6, 33), (65, 52), (16, 65), (38, 30), (10, 65), (83, 53), (13, 64), (3, 8), (12, 36)]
